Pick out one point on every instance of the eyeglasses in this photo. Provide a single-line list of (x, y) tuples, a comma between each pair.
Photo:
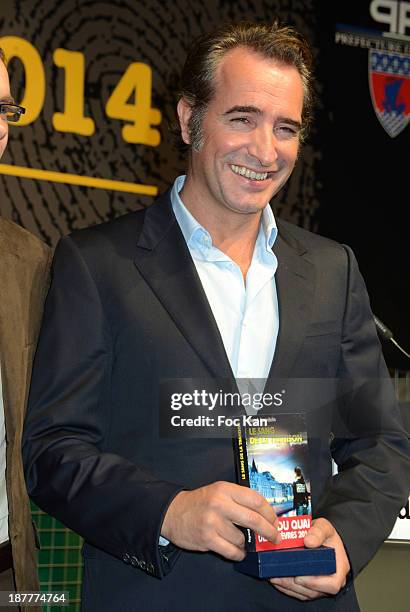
[(11, 112)]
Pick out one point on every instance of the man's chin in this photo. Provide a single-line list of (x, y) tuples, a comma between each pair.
[(248, 208)]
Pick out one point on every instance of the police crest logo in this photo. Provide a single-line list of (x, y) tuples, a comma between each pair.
[(388, 60), (389, 82)]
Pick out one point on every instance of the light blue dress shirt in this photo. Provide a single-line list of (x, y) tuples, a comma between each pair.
[(246, 313)]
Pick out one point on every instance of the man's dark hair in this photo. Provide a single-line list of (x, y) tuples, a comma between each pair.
[(273, 41)]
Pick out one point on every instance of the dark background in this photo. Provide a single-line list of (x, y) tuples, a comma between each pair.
[(365, 196)]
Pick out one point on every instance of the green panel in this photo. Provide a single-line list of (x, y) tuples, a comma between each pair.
[(60, 564)]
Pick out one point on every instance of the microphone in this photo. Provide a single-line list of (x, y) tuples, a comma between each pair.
[(384, 331), (387, 334)]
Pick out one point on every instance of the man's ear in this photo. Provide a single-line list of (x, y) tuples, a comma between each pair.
[(184, 111)]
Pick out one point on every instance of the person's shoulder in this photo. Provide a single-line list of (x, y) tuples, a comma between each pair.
[(111, 239), (329, 258), (307, 241), (17, 240), (119, 228), (126, 227)]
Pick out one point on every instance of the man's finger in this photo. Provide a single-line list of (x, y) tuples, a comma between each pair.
[(320, 531), (296, 590), (326, 585), (232, 534), (257, 514), (226, 549), (253, 500), (240, 515), (291, 593)]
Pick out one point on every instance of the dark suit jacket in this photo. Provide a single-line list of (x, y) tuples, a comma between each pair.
[(24, 268), (126, 309)]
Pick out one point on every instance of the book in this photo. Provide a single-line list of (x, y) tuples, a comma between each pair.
[(273, 459)]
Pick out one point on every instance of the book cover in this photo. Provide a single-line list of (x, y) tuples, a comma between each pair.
[(273, 459)]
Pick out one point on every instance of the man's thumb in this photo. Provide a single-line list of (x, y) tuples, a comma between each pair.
[(320, 531)]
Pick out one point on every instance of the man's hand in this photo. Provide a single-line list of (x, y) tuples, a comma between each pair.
[(206, 518), (304, 588)]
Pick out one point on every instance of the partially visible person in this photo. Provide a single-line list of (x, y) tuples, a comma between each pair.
[(24, 267), (300, 493)]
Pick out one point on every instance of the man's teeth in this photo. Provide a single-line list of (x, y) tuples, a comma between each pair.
[(257, 176)]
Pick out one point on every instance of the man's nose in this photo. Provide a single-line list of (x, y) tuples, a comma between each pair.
[(263, 146)]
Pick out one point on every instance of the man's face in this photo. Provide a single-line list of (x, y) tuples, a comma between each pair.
[(250, 133), (4, 97)]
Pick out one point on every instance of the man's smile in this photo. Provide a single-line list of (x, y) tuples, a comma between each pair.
[(250, 174)]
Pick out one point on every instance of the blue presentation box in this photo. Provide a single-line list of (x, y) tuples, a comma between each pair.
[(289, 562)]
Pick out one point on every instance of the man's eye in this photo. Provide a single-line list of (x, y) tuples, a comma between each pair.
[(240, 119), (287, 131)]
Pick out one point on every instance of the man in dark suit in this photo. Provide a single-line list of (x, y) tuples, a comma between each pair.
[(205, 284)]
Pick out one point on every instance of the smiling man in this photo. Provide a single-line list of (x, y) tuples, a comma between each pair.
[(248, 147), (206, 283)]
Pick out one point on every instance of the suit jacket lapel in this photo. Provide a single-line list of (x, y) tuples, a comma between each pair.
[(295, 288), (164, 261)]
